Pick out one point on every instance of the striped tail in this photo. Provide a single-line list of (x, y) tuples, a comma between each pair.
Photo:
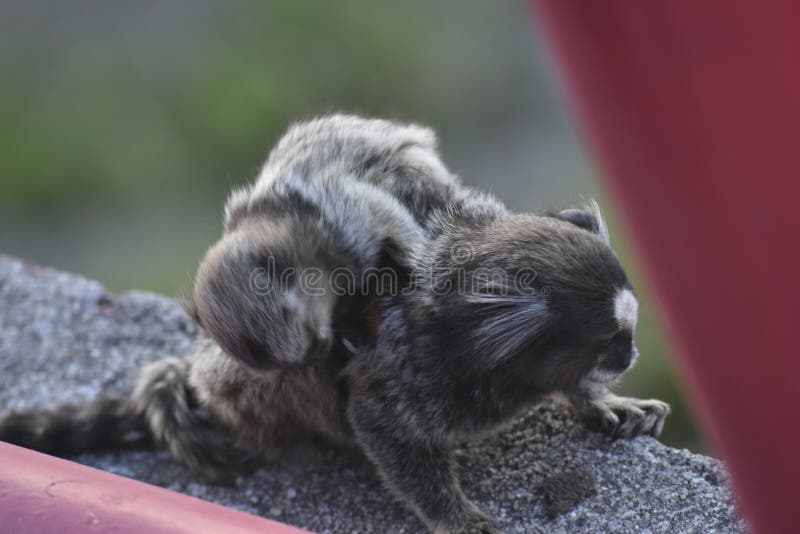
[(162, 411), (68, 430)]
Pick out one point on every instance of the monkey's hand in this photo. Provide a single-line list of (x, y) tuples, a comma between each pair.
[(622, 417)]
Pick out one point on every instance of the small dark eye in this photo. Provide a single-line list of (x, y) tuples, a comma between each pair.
[(620, 338), (609, 338)]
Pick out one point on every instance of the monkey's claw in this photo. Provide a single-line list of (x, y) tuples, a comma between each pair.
[(625, 417)]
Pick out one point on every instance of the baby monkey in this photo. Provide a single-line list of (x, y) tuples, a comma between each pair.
[(360, 293)]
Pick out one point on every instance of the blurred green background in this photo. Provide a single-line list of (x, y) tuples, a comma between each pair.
[(123, 125)]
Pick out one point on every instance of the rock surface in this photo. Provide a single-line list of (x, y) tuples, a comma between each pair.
[(64, 339)]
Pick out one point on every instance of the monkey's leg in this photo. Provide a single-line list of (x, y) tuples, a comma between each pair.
[(419, 472), (165, 399), (620, 417)]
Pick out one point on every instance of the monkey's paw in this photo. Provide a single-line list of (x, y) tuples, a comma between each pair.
[(626, 417)]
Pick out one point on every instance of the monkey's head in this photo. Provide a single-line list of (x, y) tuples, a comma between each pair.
[(541, 301), (259, 292)]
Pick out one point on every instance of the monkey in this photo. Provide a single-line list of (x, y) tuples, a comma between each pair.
[(361, 294)]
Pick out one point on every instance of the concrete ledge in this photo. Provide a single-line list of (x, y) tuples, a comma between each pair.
[(64, 339)]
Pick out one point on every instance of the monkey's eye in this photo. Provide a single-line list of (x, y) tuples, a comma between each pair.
[(608, 338), (620, 338)]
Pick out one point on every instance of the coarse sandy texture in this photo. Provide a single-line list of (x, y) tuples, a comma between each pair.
[(64, 339)]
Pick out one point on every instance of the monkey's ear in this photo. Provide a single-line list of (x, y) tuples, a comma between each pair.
[(589, 218)]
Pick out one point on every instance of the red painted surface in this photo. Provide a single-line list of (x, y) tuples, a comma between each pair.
[(40, 494), (693, 110)]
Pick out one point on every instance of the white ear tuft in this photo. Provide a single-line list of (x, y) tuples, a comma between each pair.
[(514, 321)]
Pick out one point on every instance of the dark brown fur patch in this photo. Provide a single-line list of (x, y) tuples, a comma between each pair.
[(565, 490)]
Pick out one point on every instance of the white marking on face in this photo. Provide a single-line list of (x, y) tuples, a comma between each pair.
[(602, 376), (626, 308)]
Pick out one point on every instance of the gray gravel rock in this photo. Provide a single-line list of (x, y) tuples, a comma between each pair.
[(64, 339)]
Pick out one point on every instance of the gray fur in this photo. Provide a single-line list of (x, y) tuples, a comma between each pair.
[(401, 370)]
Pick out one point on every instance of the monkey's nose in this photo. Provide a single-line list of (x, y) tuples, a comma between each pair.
[(627, 358), (618, 362)]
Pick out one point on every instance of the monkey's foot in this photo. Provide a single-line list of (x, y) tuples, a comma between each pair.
[(626, 417)]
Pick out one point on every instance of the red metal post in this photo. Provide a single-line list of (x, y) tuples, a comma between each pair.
[(40, 494), (693, 110)]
